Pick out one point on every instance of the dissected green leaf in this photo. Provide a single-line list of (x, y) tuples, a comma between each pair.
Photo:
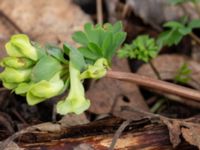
[(142, 48)]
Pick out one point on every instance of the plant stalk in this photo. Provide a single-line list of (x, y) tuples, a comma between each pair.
[(155, 84)]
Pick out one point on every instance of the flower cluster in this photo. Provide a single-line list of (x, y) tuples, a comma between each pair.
[(41, 73), (26, 71)]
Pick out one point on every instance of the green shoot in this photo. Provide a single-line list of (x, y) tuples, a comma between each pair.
[(176, 31), (183, 74), (142, 48)]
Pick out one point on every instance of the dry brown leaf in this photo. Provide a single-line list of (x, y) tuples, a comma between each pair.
[(108, 95), (168, 65), (73, 119), (174, 131), (149, 10), (190, 131), (45, 21), (192, 135)]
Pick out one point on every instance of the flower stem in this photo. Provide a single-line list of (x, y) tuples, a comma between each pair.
[(155, 84)]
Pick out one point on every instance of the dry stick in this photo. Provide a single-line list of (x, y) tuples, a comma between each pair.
[(99, 11), (118, 133), (195, 38), (154, 70), (155, 84)]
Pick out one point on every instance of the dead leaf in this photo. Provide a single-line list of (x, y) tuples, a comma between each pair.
[(149, 10), (190, 131), (174, 131), (46, 21), (192, 135), (167, 67), (108, 95), (73, 119)]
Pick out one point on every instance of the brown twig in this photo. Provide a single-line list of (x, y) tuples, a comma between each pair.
[(195, 38), (155, 84), (118, 133), (154, 70), (99, 11)]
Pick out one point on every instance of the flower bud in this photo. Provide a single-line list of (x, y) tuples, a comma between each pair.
[(45, 89), (76, 101), (96, 71), (20, 46), (11, 75), (10, 86), (17, 62)]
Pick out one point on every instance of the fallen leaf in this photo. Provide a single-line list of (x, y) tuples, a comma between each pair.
[(108, 95), (174, 131), (73, 119), (192, 135), (168, 66), (45, 21)]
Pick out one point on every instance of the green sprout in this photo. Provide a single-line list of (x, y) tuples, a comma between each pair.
[(41, 73), (142, 48), (183, 74), (176, 31)]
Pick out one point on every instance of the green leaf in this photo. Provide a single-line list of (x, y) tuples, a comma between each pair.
[(117, 27), (185, 31), (87, 53), (118, 39), (45, 69), (194, 24), (40, 50), (95, 49), (80, 37), (56, 52), (92, 34), (183, 74), (76, 57), (102, 40), (107, 44), (66, 49), (142, 48), (173, 24)]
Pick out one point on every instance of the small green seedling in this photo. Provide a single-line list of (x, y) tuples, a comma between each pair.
[(183, 74), (176, 31), (142, 48)]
